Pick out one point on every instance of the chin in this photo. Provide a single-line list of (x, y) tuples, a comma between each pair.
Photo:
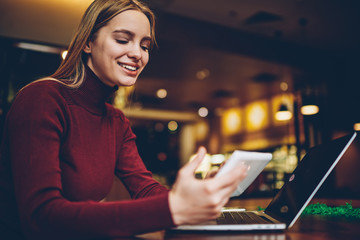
[(126, 83)]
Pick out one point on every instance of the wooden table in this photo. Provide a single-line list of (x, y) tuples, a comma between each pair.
[(306, 227)]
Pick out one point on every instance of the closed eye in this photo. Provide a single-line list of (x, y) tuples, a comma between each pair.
[(145, 48), (145, 44), (122, 41)]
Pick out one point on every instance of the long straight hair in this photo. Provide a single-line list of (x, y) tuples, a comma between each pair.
[(98, 14)]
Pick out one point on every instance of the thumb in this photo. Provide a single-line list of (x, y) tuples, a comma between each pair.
[(194, 164)]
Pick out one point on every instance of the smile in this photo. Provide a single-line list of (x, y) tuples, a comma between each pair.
[(128, 67)]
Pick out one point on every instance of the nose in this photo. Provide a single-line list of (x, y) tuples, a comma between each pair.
[(135, 52)]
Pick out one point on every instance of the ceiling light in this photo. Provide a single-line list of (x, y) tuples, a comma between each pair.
[(309, 106), (203, 112), (38, 47), (309, 109), (357, 126), (202, 74), (284, 86), (172, 126), (231, 121), (161, 93), (283, 114), (63, 54)]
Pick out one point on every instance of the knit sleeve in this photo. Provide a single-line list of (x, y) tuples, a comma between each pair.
[(130, 167), (36, 126)]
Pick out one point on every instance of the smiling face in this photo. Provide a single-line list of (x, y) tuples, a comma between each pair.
[(119, 51)]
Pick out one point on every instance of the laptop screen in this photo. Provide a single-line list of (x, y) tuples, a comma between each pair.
[(306, 179)]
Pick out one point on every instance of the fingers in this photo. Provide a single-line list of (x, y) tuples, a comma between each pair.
[(192, 200), (194, 164), (233, 177), (211, 173), (226, 184)]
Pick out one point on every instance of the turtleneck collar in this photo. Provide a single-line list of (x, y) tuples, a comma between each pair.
[(93, 93)]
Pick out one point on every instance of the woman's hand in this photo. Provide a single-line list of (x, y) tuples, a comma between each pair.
[(193, 200)]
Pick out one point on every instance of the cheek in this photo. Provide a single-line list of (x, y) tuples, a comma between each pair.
[(145, 59), (111, 50)]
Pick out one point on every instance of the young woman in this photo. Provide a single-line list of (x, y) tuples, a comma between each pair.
[(63, 144)]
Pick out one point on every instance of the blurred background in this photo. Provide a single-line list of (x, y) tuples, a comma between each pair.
[(275, 76)]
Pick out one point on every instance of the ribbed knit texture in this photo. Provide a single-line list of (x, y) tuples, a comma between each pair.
[(60, 150)]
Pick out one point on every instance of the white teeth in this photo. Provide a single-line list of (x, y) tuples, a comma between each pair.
[(131, 68)]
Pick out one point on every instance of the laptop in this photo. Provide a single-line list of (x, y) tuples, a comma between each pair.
[(288, 204)]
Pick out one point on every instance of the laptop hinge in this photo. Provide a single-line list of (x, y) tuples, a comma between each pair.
[(277, 217)]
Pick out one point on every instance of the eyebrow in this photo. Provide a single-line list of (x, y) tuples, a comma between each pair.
[(127, 32)]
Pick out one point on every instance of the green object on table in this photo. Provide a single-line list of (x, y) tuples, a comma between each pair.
[(341, 211), (322, 209)]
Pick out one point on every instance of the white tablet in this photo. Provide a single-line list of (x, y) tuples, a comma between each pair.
[(256, 162)]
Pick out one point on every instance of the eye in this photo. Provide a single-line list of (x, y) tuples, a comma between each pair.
[(145, 45), (145, 48), (122, 41)]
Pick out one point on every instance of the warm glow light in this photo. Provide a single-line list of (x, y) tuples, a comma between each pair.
[(256, 115), (121, 96), (161, 93), (357, 126), (231, 121), (284, 86), (202, 74), (282, 108), (309, 109), (283, 115), (172, 126), (63, 54), (38, 47), (203, 112)]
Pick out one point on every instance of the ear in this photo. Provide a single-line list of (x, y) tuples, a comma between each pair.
[(87, 47)]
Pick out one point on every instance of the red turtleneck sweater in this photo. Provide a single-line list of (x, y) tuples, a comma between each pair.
[(60, 150)]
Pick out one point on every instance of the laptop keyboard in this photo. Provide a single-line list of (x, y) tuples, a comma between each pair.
[(241, 218)]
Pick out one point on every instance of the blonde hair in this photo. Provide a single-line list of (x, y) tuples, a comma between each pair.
[(97, 15)]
